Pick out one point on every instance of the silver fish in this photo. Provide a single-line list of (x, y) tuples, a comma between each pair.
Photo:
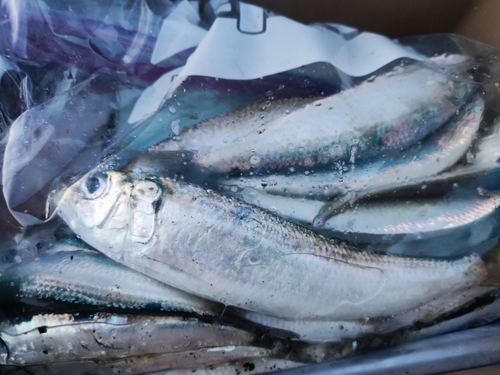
[(455, 225), (223, 130), (226, 250), (482, 170), (417, 227), (228, 360), (439, 153), (391, 112), (88, 277), (68, 337), (473, 313)]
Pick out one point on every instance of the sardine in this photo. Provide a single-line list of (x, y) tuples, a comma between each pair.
[(66, 337), (481, 171), (417, 227), (223, 130), (88, 277), (439, 153), (222, 249), (230, 360), (474, 313), (390, 112), (450, 226)]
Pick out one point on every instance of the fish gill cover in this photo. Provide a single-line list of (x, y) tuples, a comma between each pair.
[(211, 186)]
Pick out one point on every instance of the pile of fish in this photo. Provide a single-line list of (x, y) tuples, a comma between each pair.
[(307, 230)]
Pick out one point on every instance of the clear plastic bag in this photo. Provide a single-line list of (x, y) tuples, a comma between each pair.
[(237, 156)]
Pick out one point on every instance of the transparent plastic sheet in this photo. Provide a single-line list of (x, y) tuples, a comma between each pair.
[(110, 87)]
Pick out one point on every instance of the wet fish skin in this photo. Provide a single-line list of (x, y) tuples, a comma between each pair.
[(227, 128), (352, 121), (226, 250), (439, 153), (415, 227), (55, 338), (422, 226), (481, 172), (443, 150), (477, 312), (229, 360), (88, 277)]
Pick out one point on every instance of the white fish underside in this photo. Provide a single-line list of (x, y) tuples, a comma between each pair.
[(228, 251)]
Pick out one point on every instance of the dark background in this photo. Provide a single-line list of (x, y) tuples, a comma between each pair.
[(477, 19)]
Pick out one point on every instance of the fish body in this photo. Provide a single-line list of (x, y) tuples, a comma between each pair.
[(477, 312), (416, 227), (391, 112), (482, 170), (225, 129), (228, 251), (88, 277), (229, 360), (438, 153), (449, 226), (53, 338)]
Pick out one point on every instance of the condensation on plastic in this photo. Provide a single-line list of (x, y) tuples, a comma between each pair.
[(101, 81), (136, 44)]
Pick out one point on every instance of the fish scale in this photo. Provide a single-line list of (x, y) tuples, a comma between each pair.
[(63, 276), (263, 263), (327, 129), (441, 151)]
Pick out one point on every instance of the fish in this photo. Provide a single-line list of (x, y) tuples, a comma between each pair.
[(90, 278), (390, 112), (481, 171), (228, 360), (53, 338), (378, 333), (225, 129), (444, 148), (225, 250), (412, 226), (454, 225)]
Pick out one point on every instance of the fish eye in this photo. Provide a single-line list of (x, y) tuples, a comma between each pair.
[(94, 185)]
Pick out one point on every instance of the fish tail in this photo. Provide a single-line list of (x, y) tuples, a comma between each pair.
[(492, 261)]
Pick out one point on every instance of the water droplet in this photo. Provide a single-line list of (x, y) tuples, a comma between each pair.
[(254, 160), (172, 109), (174, 125)]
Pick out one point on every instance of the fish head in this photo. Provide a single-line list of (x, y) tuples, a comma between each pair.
[(98, 208)]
